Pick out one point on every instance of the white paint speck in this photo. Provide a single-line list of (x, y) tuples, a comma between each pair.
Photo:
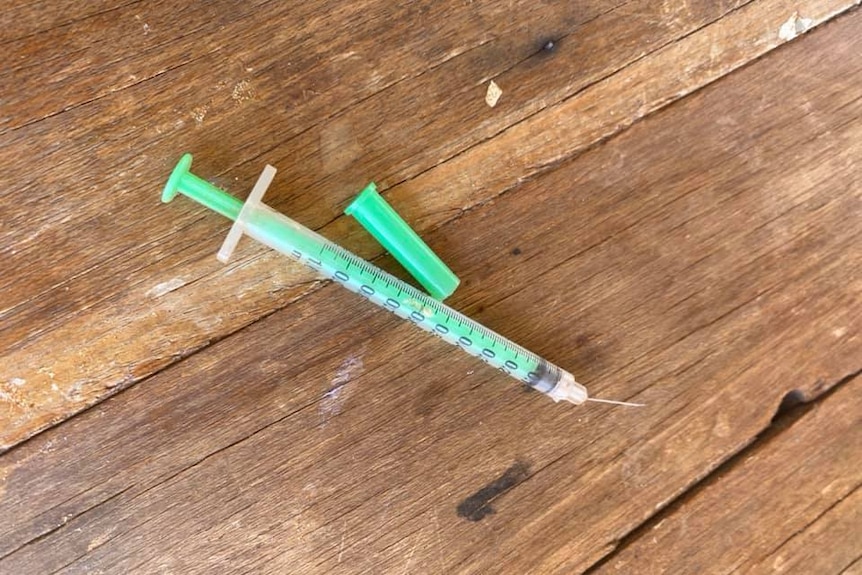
[(839, 332), (492, 95), (17, 381), (161, 289), (794, 27)]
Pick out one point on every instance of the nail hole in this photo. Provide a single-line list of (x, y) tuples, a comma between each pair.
[(791, 399)]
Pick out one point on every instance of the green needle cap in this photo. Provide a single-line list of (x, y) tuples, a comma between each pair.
[(377, 216)]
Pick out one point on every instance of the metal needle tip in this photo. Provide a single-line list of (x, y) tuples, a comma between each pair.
[(612, 402)]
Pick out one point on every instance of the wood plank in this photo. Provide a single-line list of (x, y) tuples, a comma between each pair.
[(711, 266), (108, 288), (793, 505), (19, 19), (823, 546)]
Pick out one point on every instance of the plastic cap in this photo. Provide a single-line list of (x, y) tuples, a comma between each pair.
[(377, 216)]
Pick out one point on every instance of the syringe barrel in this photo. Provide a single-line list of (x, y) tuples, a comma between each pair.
[(363, 278), (294, 240)]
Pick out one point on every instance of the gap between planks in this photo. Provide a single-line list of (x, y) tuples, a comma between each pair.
[(782, 423)]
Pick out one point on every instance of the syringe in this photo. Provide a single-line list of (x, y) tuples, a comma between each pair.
[(365, 279)]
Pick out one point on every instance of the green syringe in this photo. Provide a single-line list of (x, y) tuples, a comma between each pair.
[(279, 232)]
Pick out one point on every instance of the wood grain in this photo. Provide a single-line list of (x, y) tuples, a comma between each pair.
[(108, 287), (22, 19), (705, 262), (792, 505), (820, 546)]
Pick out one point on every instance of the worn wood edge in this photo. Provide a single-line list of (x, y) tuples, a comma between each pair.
[(828, 420), (528, 157)]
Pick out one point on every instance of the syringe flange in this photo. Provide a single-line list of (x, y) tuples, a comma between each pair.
[(253, 201)]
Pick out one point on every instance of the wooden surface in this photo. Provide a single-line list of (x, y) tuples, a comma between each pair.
[(732, 521), (646, 205), (111, 287)]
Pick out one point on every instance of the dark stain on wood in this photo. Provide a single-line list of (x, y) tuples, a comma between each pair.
[(588, 351), (478, 506), (430, 399)]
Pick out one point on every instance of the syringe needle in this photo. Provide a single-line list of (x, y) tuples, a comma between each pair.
[(567, 389), (613, 402)]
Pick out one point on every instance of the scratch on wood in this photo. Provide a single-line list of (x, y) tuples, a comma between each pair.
[(333, 400), (100, 539), (161, 289), (4, 476), (339, 145), (439, 554), (341, 547), (410, 557)]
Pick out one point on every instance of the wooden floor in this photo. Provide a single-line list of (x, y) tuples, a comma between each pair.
[(666, 201)]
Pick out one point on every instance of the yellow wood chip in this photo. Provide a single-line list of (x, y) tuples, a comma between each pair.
[(493, 94)]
